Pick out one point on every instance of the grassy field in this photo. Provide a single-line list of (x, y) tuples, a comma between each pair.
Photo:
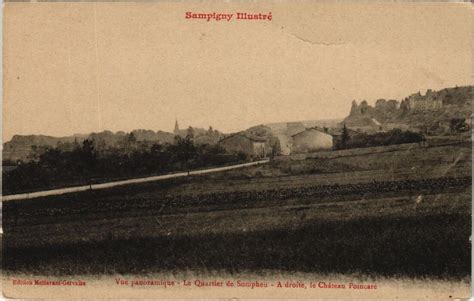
[(398, 213)]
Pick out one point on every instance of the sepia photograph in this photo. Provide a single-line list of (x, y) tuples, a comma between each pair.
[(221, 149)]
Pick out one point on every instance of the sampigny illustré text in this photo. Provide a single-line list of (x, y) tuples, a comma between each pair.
[(229, 16)]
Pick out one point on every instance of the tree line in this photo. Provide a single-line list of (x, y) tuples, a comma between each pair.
[(92, 162), (394, 136)]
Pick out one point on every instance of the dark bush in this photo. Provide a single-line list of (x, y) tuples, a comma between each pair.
[(395, 136)]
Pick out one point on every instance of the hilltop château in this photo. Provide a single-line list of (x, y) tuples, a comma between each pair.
[(430, 102), (432, 112)]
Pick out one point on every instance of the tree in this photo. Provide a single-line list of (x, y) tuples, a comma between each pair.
[(156, 148), (190, 133), (75, 144), (185, 150), (131, 138), (344, 137), (88, 155)]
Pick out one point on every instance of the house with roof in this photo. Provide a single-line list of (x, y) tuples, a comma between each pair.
[(242, 142), (311, 140), (318, 139)]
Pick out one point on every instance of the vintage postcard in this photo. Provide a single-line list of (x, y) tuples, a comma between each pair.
[(231, 149)]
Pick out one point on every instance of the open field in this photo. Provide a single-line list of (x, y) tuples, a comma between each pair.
[(126, 182), (405, 213)]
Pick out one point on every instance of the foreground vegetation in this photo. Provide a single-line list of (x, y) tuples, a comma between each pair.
[(400, 213), (90, 163), (433, 245)]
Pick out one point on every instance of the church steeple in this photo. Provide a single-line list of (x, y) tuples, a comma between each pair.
[(176, 128)]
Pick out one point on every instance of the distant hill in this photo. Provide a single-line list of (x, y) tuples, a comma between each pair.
[(20, 147), (26, 147), (431, 112), (23, 147)]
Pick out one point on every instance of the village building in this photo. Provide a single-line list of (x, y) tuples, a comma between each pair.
[(319, 139), (241, 142), (311, 140), (284, 136)]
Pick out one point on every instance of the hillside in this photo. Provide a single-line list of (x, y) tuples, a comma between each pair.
[(20, 147), (432, 112), (24, 147)]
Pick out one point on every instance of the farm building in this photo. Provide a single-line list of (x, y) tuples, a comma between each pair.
[(246, 143), (311, 140), (316, 139)]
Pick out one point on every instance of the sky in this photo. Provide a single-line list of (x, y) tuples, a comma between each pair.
[(87, 67)]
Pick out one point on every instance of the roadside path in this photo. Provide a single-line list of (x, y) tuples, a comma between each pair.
[(59, 191)]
